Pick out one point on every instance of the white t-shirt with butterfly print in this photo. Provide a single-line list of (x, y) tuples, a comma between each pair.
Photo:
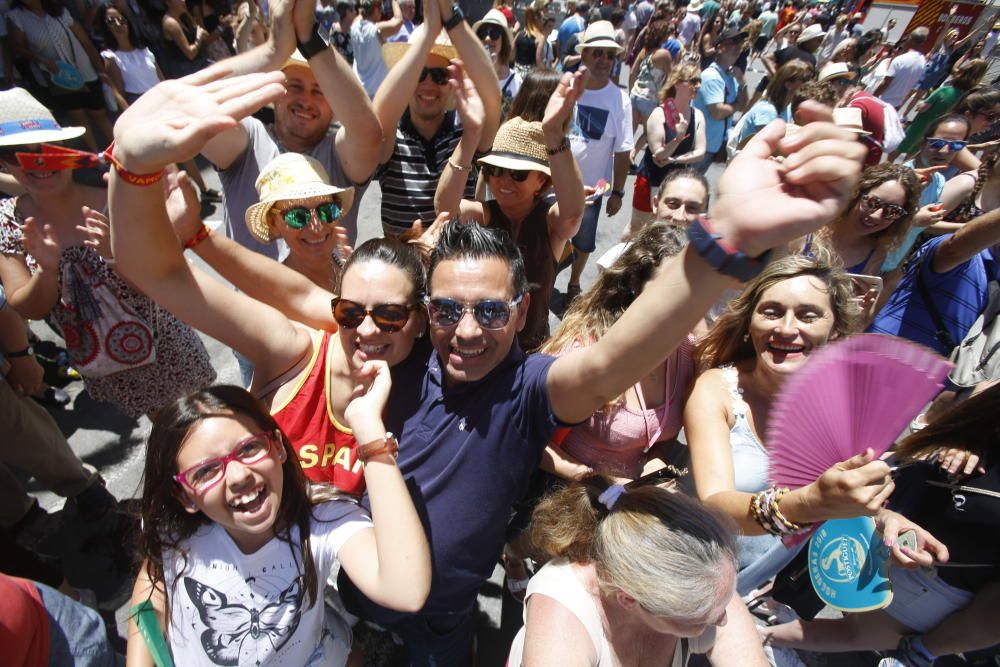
[(232, 608)]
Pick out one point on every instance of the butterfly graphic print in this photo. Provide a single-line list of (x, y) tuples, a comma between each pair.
[(240, 635)]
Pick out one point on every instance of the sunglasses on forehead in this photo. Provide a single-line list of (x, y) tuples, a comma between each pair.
[(299, 216), (388, 317), (493, 32), (439, 75), (518, 175)]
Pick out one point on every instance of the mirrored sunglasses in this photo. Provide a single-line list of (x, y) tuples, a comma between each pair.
[(938, 144), (388, 317), (489, 313), (299, 217)]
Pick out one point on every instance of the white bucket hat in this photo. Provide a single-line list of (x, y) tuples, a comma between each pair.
[(24, 120), (290, 176), (836, 71), (599, 35)]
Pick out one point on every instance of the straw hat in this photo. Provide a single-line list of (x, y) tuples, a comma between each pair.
[(442, 47), (296, 60), (694, 6), (24, 120), (290, 176), (813, 31), (599, 35), (495, 17), (519, 144), (836, 71), (850, 118)]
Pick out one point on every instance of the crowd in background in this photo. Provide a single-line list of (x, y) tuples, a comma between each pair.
[(409, 416)]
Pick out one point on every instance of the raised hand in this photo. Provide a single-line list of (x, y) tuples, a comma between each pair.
[(282, 32), (855, 487), (467, 100), (304, 16), (764, 203), (172, 121), (97, 228), (368, 400), (424, 239), (560, 107), (40, 242), (183, 204), (928, 215), (432, 18)]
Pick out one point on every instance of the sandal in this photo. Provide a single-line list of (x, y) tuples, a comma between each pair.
[(518, 574)]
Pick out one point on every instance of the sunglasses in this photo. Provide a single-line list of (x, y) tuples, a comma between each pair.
[(299, 217), (116, 20), (696, 81), (388, 317), (872, 203), (598, 54), (518, 175), (488, 313), (439, 75), (10, 156), (203, 476), (938, 144), (492, 32)]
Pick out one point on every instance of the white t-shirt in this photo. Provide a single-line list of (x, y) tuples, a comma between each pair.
[(509, 86), (368, 62), (232, 608), (557, 581), (138, 68), (905, 70), (601, 127)]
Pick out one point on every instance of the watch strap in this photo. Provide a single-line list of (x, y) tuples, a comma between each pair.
[(456, 17), (315, 45), (618, 193), (387, 445), (26, 352), (724, 258)]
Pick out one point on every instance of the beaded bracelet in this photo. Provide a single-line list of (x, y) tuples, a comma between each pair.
[(140, 180), (197, 238), (764, 509)]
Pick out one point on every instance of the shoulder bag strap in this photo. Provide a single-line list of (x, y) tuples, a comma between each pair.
[(941, 334)]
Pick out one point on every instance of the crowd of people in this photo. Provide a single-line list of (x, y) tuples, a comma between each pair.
[(617, 465)]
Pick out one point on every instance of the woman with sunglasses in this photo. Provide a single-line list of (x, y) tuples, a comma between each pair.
[(676, 134), (56, 265), (527, 159), (304, 361), (965, 76), (776, 103), (498, 40)]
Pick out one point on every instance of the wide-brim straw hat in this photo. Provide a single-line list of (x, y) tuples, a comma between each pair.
[(811, 32), (24, 120), (836, 71), (290, 176), (495, 17), (599, 35), (442, 47), (850, 118), (296, 60), (519, 144)]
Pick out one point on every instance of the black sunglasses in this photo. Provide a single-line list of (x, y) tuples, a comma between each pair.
[(489, 313), (519, 175), (493, 32), (439, 75), (872, 203), (299, 217), (388, 317), (9, 155)]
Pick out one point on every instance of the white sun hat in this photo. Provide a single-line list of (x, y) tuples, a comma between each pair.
[(599, 35), (24, 120)]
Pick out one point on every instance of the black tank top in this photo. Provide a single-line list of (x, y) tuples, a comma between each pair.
[(655, 174)]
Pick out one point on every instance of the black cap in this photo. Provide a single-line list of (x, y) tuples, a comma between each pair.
[(728, 35)]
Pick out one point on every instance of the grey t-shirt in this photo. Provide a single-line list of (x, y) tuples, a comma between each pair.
[(239, 192)]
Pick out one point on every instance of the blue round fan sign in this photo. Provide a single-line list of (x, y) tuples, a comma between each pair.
[(848, 565)]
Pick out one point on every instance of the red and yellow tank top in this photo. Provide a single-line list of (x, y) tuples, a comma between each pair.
[(326, 448)]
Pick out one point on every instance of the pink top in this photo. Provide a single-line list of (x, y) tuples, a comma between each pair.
[(614, 441)]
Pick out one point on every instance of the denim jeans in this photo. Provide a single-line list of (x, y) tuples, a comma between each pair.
[(76, 633)]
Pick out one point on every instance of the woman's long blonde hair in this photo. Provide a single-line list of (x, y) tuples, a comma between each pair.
[(685, 71)]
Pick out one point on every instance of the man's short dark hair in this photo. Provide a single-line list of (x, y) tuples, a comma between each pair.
[(583, 9), (459, 239), (346, 5)]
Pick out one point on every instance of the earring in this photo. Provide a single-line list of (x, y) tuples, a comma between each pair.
[(746, 337)]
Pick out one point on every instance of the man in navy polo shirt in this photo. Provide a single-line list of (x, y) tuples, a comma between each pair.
[(475, 415)]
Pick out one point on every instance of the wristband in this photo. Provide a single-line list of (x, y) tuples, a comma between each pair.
[(618, 193), (561, 148), (197, 238), (315, 45), (387, 445), (26, 352), (140, 180), (456, 17), (722, 257), (457, 167)]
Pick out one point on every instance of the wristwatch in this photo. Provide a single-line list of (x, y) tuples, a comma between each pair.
[(26, 352), (618, 193), (387, 445), (314, 46), (724, 258), (456, 17)]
